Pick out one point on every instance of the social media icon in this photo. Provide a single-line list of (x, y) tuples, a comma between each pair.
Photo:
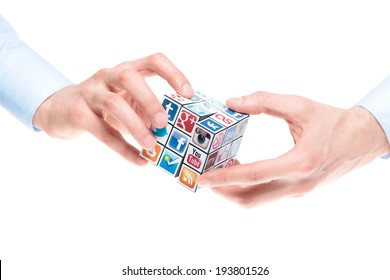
[(212, 125), (218, 140), (241, 128), (159, 132), (202, 109), (170, 162), (211, 161), (223, 119), (152, 155), (186, 121), (195, 158), (193, 161), (178, 141), (217, 104), (162, 134), (201, 138), (171, 108), (229, 135), (188, 178), (230, 162), (179, 98), (234, 148), (222, 154), (202, 95), (195, 98), (235, 115)]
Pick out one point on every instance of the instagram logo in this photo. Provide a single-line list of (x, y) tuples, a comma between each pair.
[(188, 178)]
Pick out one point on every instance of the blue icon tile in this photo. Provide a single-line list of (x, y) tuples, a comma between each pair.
[(212, 125), (170, 162), (178, 142), (171, 108)]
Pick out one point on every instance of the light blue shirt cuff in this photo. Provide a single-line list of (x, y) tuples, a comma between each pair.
[(377, 102), (26, 79)]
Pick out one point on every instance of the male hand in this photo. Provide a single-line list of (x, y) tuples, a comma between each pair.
[(329, 142), (113, 102)]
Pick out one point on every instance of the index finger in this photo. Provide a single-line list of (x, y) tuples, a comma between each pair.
[(159, 64), (135, 86)]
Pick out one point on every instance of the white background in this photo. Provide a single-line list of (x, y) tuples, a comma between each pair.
[(75, 210)]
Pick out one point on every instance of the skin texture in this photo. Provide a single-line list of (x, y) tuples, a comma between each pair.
[(113, 102), (329, 142)]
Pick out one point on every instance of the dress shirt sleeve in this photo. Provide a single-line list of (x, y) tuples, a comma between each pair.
[(378, 103), (26, 79)]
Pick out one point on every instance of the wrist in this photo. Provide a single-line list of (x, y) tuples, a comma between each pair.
[(40, 115), (369, 132)]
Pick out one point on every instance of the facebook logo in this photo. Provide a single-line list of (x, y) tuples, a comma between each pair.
[(229, 135), (171, 108), (178, 142), (218, 104), (234, 114)]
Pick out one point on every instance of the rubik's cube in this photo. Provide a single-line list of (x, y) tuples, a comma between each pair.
[(202, 134)]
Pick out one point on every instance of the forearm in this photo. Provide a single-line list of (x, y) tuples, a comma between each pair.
[(26, 79)]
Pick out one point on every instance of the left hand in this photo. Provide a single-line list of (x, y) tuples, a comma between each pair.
[(329, 142)]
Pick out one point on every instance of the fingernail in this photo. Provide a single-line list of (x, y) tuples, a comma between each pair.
[(161, 119), (187, 89), (237, 100), (204, 184), (150, 142)]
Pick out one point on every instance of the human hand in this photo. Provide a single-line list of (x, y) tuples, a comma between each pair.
[(113, 102), (329, 142)]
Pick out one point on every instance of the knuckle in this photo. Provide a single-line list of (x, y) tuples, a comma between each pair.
[(127, 152), (157, 58), (102, 73), (112, 101), (308, 164), (151, 101), (85, 91), (109, 137), (150, 104), (126, 75), (77, 113)]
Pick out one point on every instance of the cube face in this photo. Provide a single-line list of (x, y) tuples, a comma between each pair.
[(171, 108), (178, 142), (153, 155), (202, 134), (195, 158), (170, 162), (202, 138), (186, 121)]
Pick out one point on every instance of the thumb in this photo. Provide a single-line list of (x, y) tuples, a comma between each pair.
[(277, 105)]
